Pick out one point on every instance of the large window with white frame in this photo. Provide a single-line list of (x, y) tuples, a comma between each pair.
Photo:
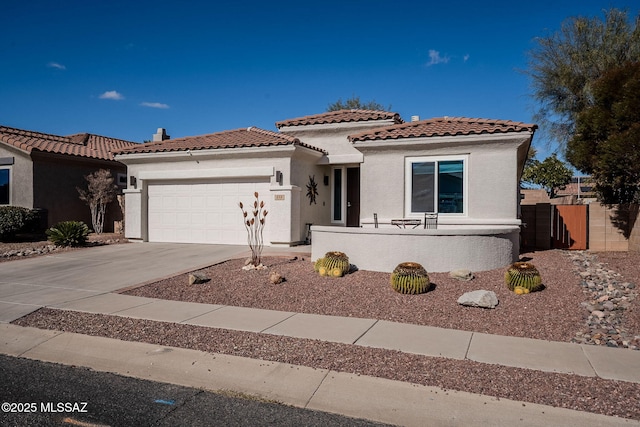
[(436, 184), (5, 185)]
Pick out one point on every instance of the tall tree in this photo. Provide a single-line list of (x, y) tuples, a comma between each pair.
[(564, 65), (607, 139), (354, 103), (551, 174)]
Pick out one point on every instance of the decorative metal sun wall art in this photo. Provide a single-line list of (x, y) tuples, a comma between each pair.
[(312, 189)]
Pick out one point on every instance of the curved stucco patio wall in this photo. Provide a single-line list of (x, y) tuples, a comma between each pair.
[(382, 249)]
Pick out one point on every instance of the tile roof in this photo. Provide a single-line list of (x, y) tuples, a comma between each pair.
[(443, 126), (81, 144), (237, 138), (341, 116)]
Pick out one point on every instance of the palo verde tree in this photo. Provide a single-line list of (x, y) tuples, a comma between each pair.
[(607, 139), (551, 174), (354, 103), (99, 193), (564, 66)]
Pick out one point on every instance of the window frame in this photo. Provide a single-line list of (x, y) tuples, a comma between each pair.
[(408, 185), (343, 191), (10, 169)]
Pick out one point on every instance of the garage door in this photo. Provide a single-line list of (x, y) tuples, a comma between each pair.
[(201, 212)]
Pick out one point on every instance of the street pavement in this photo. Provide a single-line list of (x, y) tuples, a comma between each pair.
[(76, 281), (47, 394)]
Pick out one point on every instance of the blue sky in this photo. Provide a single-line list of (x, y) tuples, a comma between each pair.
[(125, 68)]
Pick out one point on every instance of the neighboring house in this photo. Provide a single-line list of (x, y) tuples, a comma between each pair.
[(39, 170), (336, 170)]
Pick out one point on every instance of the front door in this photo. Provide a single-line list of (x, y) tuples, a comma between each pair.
[(353, 197)]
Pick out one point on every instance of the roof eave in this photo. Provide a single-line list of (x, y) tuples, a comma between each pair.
[(202, 154), (439, 140)]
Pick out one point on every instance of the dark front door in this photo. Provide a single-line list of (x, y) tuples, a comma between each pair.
[(353, 197)]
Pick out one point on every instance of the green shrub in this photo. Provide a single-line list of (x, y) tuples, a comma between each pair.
[(14, 219), (68, 233)]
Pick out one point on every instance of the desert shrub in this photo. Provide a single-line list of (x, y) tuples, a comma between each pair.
[(14, 219), (68, 233)]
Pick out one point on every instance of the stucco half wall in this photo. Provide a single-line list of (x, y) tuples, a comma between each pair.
[(382, 249)]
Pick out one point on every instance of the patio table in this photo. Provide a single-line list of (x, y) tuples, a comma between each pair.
[(402, 223)]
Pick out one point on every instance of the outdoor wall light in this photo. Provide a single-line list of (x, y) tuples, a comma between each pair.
[(326, 180), (279, 177), (132, 181)]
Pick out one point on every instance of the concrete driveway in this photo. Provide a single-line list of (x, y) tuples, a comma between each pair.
[(28, 284)]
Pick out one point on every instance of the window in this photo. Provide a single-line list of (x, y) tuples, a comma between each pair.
[(435, 184), (5, 195), (336, 214)]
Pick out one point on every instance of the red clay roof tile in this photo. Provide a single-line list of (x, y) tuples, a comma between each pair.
[(245, 137), (443, 126), (341, 116), (81, 145)]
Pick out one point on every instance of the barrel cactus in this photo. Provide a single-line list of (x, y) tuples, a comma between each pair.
[(523, 276), (319, 263), (334, 264), (410, 278)]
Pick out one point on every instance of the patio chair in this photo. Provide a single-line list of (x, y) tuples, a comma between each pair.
[(431, 220)]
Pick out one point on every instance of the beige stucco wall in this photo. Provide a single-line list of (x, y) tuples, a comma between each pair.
[(439, 250), (287, 204), (604, 235), (333, 138), (492, 184), (21, 176)]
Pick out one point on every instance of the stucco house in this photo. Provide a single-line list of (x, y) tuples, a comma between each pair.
[(39, 170), (348, 180)]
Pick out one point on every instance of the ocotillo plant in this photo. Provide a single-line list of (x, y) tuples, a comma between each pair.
[(254, 227)]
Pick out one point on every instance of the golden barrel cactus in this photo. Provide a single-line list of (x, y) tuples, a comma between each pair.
[(523, 276), (410, 278), (334, 264)]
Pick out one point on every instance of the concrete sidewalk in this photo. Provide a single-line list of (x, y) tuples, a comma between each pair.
[(526, 353)]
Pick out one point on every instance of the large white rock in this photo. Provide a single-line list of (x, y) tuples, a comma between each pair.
[(480, 298)]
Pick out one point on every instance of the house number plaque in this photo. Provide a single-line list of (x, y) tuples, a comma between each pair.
[(278, 196)]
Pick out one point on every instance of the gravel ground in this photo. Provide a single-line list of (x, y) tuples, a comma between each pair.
[(37, 245), (553, 314), (628, 265)]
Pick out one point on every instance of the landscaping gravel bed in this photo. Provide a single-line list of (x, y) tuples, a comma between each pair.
[(553, 314), (10, 251), (557, 313)]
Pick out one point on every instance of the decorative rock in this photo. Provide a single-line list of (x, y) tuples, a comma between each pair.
[(461, 274), (197, 278), (608, 299), (276, 278), (480, 298)]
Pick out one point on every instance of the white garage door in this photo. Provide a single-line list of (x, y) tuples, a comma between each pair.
[(202, 212)]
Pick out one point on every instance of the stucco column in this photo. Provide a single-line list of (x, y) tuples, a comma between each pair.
[(133, 214), (284, 215)]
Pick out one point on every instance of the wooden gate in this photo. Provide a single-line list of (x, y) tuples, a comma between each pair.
[(569, 230)]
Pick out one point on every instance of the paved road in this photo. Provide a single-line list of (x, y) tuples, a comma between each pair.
[(113, 400)]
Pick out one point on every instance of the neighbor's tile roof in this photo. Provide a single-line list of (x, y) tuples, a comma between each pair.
[(341, 116), (81, 144), (245, 137), (443, 126)]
